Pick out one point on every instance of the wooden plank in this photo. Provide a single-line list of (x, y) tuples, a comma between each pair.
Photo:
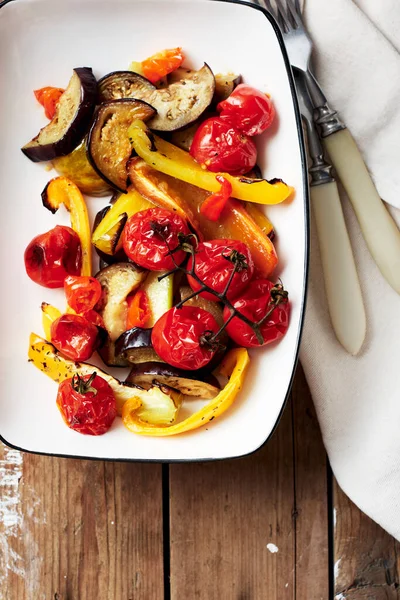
[(312, 544), (79, 529), (232, 533), (366, 558)]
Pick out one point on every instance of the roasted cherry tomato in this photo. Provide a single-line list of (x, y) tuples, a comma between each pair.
[(182, 337), (157, 66), (261, 300), (150, 235), (75, 337), (248, 109), (219, 146), (215, 262), (87, 404), (138, 310), (214, 204), (82, 292), (51, 256), (48, 97), (93, 317)]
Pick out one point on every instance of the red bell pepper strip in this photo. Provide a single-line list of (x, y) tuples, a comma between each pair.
[(213, 206), (48, 97)]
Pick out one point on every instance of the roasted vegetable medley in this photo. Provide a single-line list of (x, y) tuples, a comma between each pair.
[(184, 277)]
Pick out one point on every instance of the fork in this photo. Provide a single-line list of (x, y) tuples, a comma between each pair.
[(379, 229)]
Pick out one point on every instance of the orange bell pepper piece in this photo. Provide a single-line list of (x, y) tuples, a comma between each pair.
[(162, 63)]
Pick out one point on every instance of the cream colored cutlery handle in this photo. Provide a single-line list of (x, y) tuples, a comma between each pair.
[(342, 286), (379, 229)]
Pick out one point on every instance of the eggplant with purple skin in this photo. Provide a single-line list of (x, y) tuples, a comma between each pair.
[(190, 383), (108, 146), (134, 346), (224, 86), (148, 369), (71, 121), (185, 98)]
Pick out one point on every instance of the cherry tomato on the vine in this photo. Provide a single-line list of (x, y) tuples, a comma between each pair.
[(87, 404), (248, 109), (219, 146), (261, 298), (75, 337), (150, 235), (214, 263), (181, 337), (51, 256), (82, 292)]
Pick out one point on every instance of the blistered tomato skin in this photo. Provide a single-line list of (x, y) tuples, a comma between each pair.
[(248, 109), (177, 337), (93, 317), (82, 292), (51, 256), (92, 412), (150, 235), (75, 337), (254, 304), (214, 263), (220, 147)]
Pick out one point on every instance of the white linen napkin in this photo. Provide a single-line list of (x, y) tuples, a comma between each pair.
[(357, 59)]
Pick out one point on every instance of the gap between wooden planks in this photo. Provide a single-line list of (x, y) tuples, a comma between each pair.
[(251, 529)]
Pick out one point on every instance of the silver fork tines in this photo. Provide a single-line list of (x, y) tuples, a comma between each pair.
[(299, 46)]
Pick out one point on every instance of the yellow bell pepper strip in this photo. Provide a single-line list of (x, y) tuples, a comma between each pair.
[(62, 190), (106, 236), (170, 159), (235, 222), (49, 315), (155, 404), (234, 366), (146, 181), (260, 219)]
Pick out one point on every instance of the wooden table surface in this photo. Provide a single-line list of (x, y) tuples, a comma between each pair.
[(273, 526)]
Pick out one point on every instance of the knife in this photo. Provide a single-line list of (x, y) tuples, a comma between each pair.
[(343, 292)]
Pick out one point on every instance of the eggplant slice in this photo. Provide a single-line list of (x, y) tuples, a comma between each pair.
[(134, 346), (148, 369), (199, 384), (109, 148), (123, 84), (224, 86), (186, 97), (183, 138), (71, 121), (117, 282)]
